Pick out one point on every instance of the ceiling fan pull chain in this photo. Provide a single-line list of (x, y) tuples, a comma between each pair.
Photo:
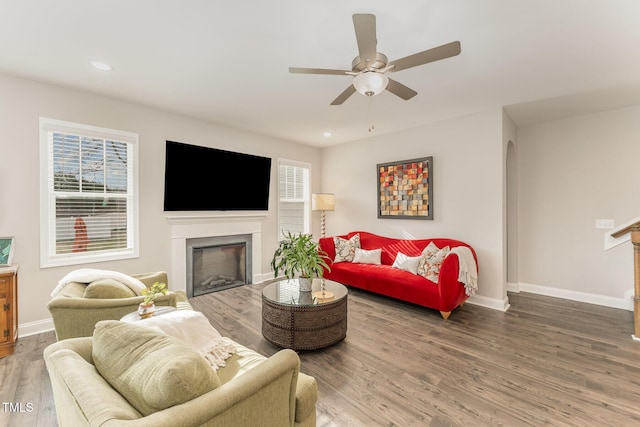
[(371, 125)]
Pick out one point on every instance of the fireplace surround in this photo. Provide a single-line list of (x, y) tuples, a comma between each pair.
[(185, 226)]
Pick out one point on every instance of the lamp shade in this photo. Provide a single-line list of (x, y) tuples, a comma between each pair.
[(370, 83), (323, 202)]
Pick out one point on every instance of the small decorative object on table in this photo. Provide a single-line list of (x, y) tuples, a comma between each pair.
[(323, 295), (148, 306), (299, 254)]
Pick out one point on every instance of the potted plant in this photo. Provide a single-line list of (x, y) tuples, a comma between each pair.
[(148, 306), (299, 256)]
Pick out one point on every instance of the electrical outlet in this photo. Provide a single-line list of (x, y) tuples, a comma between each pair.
[(606, 224)]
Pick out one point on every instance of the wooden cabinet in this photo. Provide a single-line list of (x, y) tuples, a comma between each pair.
[(8, 309)]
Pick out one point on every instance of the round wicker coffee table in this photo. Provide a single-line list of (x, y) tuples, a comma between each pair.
[(304, 320)]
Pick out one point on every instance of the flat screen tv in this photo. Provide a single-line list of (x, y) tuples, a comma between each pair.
[(208, 179)]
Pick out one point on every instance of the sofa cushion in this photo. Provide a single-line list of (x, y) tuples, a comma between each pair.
[(108, 288), (386, 280), (100, 402), (430, 250), (431, 261), (346, 248), (407, 263), (242, 360), (151, 370), (363, 256), (73, 290)]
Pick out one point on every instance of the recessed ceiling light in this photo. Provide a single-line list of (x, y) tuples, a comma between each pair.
[(326, 134), (101, 66)]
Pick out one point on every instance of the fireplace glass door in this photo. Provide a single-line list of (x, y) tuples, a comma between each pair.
[(219, 267)]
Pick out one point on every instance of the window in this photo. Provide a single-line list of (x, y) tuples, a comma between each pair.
[(88, 194), (293, 197)]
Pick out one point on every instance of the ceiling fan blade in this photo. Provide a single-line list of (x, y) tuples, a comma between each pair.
[(365, 26), (400, 90), (344, 95), (437, 53), (297, 70)]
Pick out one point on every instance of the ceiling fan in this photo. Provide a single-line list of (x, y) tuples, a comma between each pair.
[(370, 67)]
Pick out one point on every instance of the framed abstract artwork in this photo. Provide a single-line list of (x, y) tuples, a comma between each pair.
[(405, 189)]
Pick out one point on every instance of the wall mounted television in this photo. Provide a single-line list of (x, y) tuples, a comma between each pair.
[(200, 178)]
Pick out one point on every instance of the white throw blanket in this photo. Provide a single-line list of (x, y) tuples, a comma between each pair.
[(468, 270), (194, 329), (88, 275)]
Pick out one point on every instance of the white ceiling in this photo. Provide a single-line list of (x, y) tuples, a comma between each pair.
[(227, 60)]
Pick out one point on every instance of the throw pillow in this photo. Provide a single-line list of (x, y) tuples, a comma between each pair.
[(346, 249), (194, 329), (108, 288), (431, 261), (406, 262), (363, 256), (151, 370), (431, 249)]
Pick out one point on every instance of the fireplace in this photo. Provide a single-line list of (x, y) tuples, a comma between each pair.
[(192, 226), (218, 263)]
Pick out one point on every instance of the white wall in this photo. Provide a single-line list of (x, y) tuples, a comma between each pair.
[(572, 172), (569, 172), (468, 170), (23, 102)]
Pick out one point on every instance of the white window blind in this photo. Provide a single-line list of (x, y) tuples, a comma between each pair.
[(89, 194), (293, 201)]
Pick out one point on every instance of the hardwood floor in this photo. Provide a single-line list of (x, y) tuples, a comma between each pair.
[(546, 361), (25, 390)]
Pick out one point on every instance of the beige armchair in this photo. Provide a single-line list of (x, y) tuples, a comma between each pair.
[(77, 309), (253, 391)]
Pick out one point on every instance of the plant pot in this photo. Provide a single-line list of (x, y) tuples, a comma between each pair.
[(305, 284), (305, 298), (146, 310)]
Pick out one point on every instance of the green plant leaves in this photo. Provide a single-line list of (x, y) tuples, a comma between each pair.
[(299, 255), (150, 293)]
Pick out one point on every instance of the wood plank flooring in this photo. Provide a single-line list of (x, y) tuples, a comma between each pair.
[(25, 391), (546, 361)]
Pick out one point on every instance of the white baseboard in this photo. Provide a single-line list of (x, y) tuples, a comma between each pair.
[(33, 328), (513, 287), (625, 303), (493, 303), (259, 278)]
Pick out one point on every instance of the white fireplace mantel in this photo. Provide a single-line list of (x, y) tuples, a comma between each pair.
[(191, 225)]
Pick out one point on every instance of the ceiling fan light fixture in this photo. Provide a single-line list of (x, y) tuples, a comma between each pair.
[(370, 83)]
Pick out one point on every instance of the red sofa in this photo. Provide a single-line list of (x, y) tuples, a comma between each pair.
[(444, 296)]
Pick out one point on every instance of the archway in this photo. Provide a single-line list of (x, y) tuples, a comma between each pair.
[(512, 216)]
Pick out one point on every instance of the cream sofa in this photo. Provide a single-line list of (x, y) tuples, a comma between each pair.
[(79, 306), (251, 390)]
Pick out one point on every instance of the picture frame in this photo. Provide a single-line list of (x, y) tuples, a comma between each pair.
[(405, 189), (6, 251)]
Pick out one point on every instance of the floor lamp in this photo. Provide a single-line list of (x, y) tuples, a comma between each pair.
[(322, 202)]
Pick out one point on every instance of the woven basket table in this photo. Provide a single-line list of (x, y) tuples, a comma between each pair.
[(304, 320)]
